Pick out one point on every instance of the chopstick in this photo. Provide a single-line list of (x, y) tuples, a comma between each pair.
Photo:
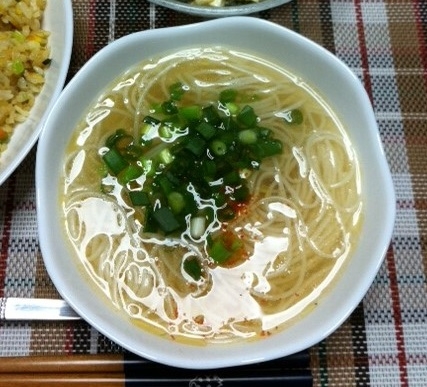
[(117, 380), (68, 364), (127, 370)]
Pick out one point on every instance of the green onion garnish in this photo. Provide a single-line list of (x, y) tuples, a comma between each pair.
[(186, 154)]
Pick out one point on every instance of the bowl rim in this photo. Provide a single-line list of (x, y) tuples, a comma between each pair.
[(206, 11), (189, 356), (58, 19)]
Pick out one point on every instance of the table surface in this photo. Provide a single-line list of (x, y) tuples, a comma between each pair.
[(384, 341)]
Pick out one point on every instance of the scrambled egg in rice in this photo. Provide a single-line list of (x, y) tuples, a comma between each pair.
[(24, 58)]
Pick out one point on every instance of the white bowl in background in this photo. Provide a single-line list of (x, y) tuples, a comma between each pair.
[(315, 65), (213, 12)]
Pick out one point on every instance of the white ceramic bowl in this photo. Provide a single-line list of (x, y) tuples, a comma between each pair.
[(312, 63), (58, 19), (213, 12)]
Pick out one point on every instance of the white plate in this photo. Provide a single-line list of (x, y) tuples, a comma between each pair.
[(58, 19)]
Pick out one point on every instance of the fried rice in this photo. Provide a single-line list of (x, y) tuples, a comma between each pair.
[(24, 58)]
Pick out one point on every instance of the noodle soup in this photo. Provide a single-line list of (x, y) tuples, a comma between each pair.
[(233, 265)]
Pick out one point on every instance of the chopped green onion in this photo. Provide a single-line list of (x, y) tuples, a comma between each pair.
[(176, 91), (210, 115), (165, 132), (192, 267), (197, 226), (148, 128), (219, 148), (247, 116), (206, 130), (229, 124), (248, 136), (219, 252), (169, 107), (209, 168), (18, 36), (18, 67), (233, 108), (196, 145), (228, 137), (166, 156), (112, 140), (227, 95), (115, 161), (129, 173), (293, 117), (139, 198), (151, 120), (241, 194), (146, 133), (232, 178), (268, 148), (182, 146), (150, 225), (165, 184), (191, 113), (174, 122), (166, 219), (236, 244), (172, 178), (176, 202), (148, 166)]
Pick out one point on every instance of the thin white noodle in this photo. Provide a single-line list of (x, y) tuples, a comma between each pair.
[(298, 197)]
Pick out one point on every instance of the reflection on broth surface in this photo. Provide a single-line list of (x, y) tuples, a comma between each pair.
[(211, 195)]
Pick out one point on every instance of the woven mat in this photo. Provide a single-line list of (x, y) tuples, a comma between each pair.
[(384, 342)]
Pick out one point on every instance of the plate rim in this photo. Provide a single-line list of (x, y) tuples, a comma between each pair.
[(31, 128), (213, 12)]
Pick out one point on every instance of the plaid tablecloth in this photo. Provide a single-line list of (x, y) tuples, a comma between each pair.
[(384, 342)]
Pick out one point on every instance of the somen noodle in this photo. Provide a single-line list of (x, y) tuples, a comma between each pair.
[(295, 231)]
